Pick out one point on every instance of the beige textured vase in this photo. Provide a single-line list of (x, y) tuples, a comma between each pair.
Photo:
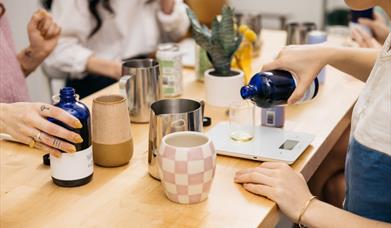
[(111, 138)]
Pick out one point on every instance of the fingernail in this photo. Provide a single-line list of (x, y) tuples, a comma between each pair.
[(77, 124), (78, 139), (57, 154), (72, 149)]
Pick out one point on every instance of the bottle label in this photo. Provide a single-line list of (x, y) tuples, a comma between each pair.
[(310, 92), (270, 118), (273, 117), (72, 166), (171, 73)]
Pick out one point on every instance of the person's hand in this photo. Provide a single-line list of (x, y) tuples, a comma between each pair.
[(377, 25), (167, 6), (278, 182), (43, 33), (364, 40), (304, 62), (27, 123)]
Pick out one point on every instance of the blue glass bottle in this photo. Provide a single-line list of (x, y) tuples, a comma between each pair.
[(268, 89), (74, 169)]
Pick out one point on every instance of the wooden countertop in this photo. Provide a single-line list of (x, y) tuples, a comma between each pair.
[(128, 197)]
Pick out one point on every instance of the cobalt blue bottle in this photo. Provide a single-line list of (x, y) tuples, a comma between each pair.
[(74, 169), (268, 89)]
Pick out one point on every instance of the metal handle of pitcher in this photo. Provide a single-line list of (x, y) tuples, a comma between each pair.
[(178, 125), (202, 103), (126, 89)]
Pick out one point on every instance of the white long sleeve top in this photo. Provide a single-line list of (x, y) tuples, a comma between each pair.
[(135, 28), (371, 119)]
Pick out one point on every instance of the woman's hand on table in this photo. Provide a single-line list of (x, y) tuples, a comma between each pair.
[(27, 123), (278, 182), (304, 62)]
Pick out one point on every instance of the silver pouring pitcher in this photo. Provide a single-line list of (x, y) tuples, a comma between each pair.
[(307, 27), (168, 116), (141, 85), (293, 33), (297, 32)]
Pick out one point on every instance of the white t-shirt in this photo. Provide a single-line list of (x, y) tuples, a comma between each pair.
[(371, 120), (135, 28)]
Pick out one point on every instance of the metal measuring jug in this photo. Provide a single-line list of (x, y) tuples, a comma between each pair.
[(141, 85)]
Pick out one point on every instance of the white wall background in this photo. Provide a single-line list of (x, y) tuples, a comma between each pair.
[(20, 11), (296, 10)]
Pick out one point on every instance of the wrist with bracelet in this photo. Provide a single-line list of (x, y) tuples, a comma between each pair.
[(303, 211)]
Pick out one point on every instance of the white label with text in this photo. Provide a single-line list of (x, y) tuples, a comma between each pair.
[(72, 166)]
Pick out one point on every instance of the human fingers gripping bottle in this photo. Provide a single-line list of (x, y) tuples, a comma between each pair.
[(74, 169), (271, 88)]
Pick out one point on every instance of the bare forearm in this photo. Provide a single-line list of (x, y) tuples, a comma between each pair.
[(320, 214), (357, 62), (105, 67), (30, 59)]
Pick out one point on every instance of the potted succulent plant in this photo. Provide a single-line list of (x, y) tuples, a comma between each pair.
[(222, 83)]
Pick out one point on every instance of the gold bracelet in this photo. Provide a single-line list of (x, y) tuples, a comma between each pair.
[(304, 209)]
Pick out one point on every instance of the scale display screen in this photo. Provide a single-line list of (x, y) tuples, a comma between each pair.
[(289, 144)]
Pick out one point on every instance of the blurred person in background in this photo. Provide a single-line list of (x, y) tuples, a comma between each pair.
[(98, 34), (25, 121), (380, 26)]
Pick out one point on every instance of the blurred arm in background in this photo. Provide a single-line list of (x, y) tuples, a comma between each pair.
[(379, 28)]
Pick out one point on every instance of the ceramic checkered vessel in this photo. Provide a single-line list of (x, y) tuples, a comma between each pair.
[(187, 170)]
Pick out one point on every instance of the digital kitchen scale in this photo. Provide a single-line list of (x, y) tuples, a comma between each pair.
[(268, 144)]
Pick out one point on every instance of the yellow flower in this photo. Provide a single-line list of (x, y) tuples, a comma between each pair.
[(243, 28), (250, 35)]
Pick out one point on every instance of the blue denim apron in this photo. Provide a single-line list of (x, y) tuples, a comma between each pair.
[(368, 182)]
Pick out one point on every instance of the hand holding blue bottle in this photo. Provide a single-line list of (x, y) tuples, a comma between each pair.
[(28, 124), (304, 62)]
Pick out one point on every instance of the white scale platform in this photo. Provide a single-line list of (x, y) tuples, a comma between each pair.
[(268, 144)]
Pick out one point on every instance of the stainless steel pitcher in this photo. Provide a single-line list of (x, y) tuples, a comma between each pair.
[(297, 32), (168, 116), (293, 33), (140, 84)]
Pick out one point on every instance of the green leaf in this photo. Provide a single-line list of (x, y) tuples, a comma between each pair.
[(215, 30), (227, 30), (221, 42)]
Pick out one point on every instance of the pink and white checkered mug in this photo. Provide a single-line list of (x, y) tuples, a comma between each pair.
[(187, 163)]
